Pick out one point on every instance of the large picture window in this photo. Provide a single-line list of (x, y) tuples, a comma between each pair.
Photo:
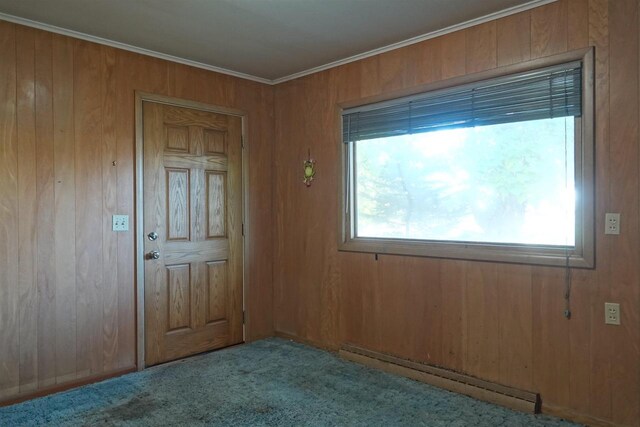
[(496, 168)]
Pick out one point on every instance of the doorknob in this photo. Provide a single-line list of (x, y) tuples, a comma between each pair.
[(153, 255), (152, 236)]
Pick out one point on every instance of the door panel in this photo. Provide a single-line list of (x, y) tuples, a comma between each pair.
[(216, 218), (193, 200), (177, 204)]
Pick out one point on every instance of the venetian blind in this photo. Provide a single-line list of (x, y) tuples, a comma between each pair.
[(539, 94)]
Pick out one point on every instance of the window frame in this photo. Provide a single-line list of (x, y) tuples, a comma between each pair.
[(581, 256)]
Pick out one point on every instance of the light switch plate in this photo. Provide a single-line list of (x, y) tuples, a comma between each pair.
[(121, 223)]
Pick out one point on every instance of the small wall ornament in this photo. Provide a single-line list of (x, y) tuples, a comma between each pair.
[(309, 170)]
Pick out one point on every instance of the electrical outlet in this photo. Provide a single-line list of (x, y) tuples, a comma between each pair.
[(120, 223), (612, 223), (611, 313)]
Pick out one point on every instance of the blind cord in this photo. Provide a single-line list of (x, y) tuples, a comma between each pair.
[(567, 270), (348, 159)]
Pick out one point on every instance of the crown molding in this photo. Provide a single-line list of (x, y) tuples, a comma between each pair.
[(130, 48), (457, 27)]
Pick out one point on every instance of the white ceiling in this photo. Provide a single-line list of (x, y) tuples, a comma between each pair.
[(267, 40)]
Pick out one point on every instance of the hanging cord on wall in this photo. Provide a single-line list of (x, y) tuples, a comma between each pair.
[(567, 268), (567, 288)]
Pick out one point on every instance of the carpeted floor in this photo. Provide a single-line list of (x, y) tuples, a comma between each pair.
[(267, 383)]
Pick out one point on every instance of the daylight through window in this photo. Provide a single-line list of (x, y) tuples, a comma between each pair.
[(497, 169)]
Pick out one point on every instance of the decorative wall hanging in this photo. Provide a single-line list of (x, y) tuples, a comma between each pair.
[(309, 170)]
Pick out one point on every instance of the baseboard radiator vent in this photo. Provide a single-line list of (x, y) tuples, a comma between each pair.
[(510, 397)]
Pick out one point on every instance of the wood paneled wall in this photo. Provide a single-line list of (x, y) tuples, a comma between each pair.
[(499, 322), (67, 307)]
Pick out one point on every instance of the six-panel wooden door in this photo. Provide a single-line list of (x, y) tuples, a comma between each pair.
[(193, 231)]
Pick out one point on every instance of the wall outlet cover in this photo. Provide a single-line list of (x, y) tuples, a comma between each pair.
[(121, 223), (612, 223), (611, 313)]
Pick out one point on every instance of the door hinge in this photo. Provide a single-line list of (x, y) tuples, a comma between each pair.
[(242, 141), (244, 317), (243, 229)]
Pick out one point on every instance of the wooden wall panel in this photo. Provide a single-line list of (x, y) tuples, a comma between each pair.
[(483, 321), (481, 48), (549, 29), (67, 155), (577, 24), (27, 272), (580, 366), (9, 288), (133, 72), (45, 184), (600, 340), (360, 280), (624, 154), (429, 59), (65, 209), (515, 314), (286, 298), (500, 322), (108, 97), (453, 279), (550, 333), (513, 42), (454, 55), (258, 100), (87, 114)]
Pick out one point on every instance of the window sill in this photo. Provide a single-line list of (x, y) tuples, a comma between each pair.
[(519, 254)]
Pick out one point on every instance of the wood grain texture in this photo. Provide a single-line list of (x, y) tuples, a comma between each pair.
[(453, 279), (216, 291), (27, 246), (259, 162), (9, 291), (67, 308), (499, 322), (516, 325), (215, 142), (454, 54), (179, 298), (551, 356), (513, 39), (178, 205), (65, 209), (483, 321), (579, 366), (399, 69), (577, 24), (549, 29), (623, 113), (197, 214), (481, 47), (87, 114), (216, 204), (370, 76), (600, 342), (109, 207), (45, 184), (429, 59)]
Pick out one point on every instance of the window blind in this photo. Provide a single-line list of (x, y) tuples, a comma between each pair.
[(539, 94)]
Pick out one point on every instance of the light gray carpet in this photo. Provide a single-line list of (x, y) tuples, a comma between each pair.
[(272, 382)]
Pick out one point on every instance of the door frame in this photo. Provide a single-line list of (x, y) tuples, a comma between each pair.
[(140, 98)]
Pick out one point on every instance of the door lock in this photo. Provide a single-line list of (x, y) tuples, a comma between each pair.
[(152, 236)]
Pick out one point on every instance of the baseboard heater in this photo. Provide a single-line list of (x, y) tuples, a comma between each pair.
[(510, 397)]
